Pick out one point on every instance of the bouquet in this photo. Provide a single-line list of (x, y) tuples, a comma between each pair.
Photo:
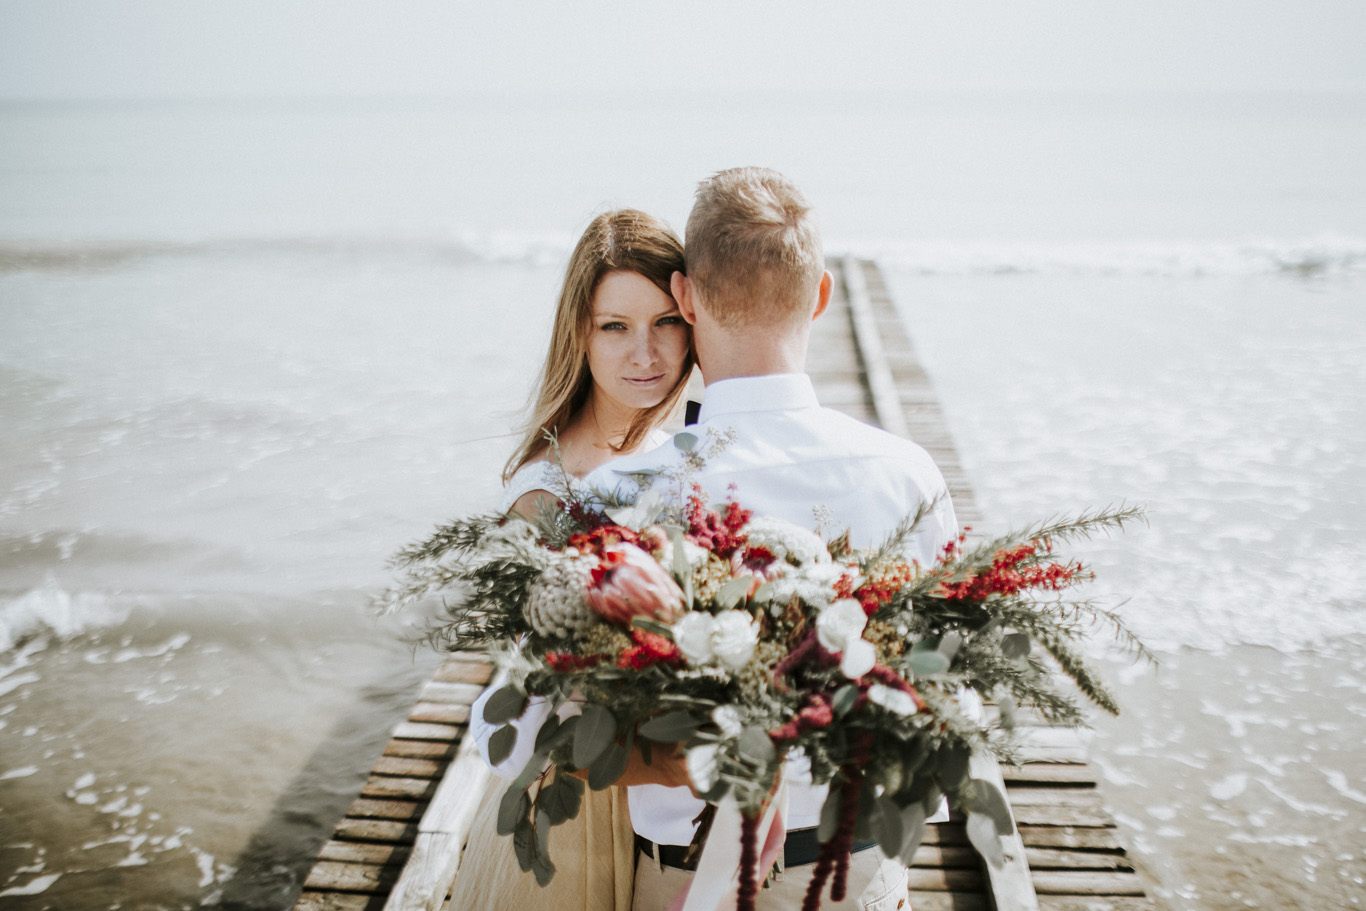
[(743, 638)]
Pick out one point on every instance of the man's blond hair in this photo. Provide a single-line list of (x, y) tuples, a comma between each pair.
[(754, 248)]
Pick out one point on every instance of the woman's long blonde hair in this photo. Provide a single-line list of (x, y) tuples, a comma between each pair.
[(625, 240)]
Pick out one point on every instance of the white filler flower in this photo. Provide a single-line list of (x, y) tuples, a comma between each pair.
[(703, 768)]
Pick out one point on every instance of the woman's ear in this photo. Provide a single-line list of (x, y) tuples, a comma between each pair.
[(682, 292)]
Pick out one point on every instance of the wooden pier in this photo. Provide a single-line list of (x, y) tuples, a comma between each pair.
[(398, 846)]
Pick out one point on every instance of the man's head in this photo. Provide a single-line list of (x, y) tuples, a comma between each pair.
[(753, 248)]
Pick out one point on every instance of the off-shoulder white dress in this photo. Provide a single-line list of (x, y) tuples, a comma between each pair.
[(594, 853)]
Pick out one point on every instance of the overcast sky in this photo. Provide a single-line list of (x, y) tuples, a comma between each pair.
[(195, 48)]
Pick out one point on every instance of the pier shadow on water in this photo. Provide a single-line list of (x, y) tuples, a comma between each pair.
[(270, 872)]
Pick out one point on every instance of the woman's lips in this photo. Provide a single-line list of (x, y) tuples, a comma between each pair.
[(644, 380)]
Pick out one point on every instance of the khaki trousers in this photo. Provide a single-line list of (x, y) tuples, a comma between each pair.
[(882, 883)]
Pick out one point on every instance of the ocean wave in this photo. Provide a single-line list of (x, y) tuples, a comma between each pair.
[(1307, 258), (50, 611), (1303, 257)]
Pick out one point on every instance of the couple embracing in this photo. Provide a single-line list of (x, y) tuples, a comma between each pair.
[(636, 309)]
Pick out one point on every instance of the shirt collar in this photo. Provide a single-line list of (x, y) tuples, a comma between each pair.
[(774, 392)]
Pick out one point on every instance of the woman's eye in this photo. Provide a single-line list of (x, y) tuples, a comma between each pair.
[(670, 321), (612, 327)]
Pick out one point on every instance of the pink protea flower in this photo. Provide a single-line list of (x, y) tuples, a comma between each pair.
[(628, 583)]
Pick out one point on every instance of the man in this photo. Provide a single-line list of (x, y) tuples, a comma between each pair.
[(756, 280)]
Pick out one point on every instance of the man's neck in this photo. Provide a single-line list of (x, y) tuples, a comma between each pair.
[(759, 352)]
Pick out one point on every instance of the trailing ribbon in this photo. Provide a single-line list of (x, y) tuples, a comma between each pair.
[(718, 869)]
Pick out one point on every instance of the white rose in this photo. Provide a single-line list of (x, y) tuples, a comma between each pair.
[(703, 768), (840, 623), (733, 638), (692, 635), (859, 658), (727, 718), (893, 700)]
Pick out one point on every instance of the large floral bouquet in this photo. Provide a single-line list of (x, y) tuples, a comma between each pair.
[(743, 638)]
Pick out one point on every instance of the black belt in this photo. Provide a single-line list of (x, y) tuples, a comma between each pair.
[(800, 847)]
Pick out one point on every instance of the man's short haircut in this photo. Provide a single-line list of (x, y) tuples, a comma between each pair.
[(753, 247)]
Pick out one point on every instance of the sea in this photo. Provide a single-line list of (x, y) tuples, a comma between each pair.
[(249, 348)]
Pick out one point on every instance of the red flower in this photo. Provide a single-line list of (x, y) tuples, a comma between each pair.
[(649, 649)]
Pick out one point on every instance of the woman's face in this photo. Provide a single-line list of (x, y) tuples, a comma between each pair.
[(637, 343)]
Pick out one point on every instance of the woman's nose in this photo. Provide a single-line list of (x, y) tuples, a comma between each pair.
[(643, 351)]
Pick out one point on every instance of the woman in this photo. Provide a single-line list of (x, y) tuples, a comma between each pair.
[(619, 360)]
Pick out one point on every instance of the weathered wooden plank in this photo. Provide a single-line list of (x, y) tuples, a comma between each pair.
[(408, 768), (413, 730), (1049, 773), (368, 808), (1093, 903), (427, 877), (945, 856), (440, 713), (338, 901), (390, 831), (464, 670), (1056, 882), (878, 375), (419, 749), (1096, 817), (387, 786), (1027, 796), (1052, 858), (352, 852), (1069, 837), (331, 876), (454, 693)]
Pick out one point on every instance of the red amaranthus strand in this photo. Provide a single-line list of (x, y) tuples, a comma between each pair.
[(1007, 576), (877, 590), (834, 854), (749, 862)]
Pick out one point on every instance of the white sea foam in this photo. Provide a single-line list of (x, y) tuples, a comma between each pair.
[(53, 611), (34, 887)]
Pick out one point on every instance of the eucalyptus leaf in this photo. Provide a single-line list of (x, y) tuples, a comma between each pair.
[(512, 809), (983, 835), (564, 733), (887, 826), (914, 756), (532, 770), (505, 704), (926, 664), (524, 844), (1015, 645), (950, 644), (985, 798), (651, 625), (681, 570), (953, 765), (608, 767), (730, 594), (501, 744), (912, 831), (671, 727), (844, 699), (863, 825), (1006, 706), (685, 441), (543, 827), (559, 800), (547, 731), (593, 734), (755, 744), (830, 816), (763, 594)]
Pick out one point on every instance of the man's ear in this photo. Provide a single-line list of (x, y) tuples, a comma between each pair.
[(823, 298), (682, 292)]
